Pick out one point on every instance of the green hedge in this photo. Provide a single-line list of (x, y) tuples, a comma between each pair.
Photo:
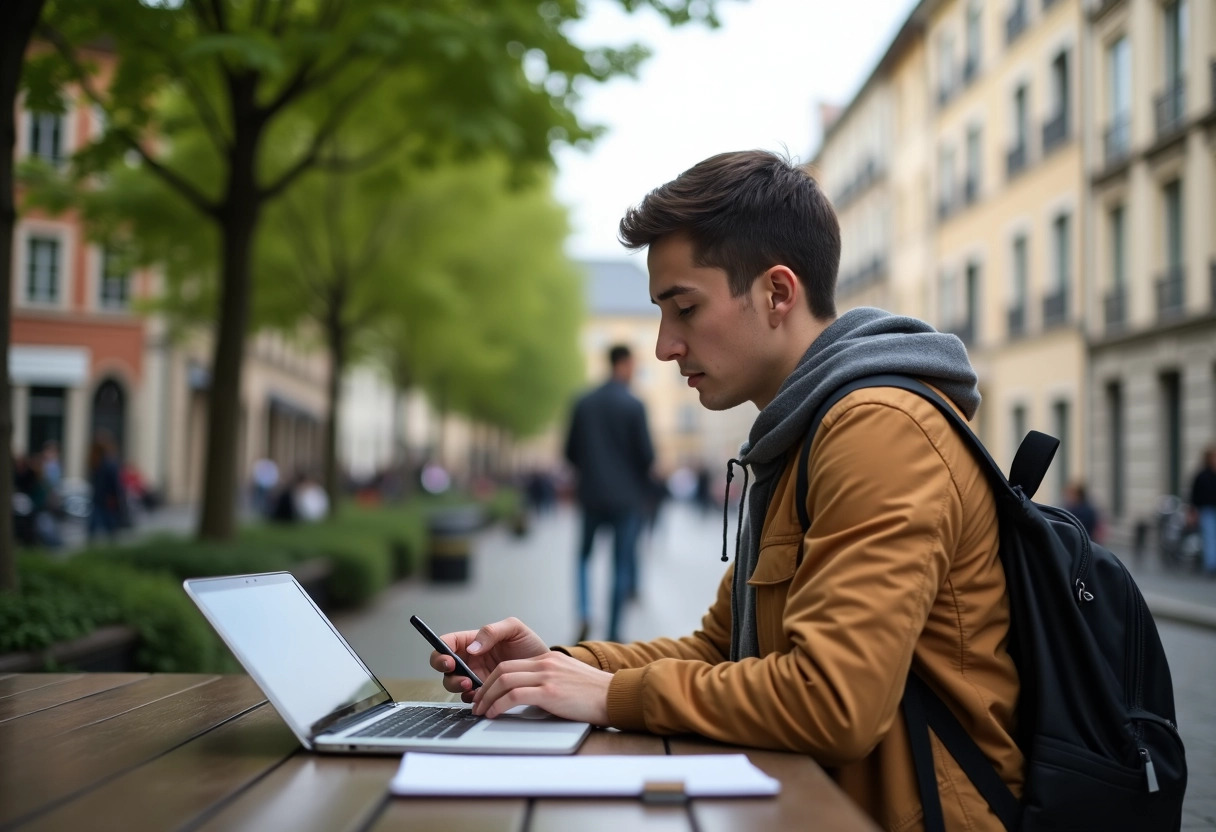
[(140, 584), (60, 601)]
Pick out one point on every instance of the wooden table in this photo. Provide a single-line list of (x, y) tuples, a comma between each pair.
[(135, 751)]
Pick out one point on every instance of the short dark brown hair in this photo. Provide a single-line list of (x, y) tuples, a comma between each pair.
[(618, 353), (746, 212)]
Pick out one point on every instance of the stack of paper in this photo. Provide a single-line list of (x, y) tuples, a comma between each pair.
[(702, 775)]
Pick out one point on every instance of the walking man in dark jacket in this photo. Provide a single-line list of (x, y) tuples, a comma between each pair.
[(1203, 504), (609, 446)]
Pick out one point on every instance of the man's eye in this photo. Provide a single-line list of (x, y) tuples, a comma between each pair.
[(685, 311)]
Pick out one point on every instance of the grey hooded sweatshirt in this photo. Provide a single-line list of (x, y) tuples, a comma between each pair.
[(861, 342)]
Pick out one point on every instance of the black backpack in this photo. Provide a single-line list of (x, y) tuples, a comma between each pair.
[(1095, 715)]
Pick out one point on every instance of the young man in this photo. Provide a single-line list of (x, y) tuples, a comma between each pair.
[(899, 568)]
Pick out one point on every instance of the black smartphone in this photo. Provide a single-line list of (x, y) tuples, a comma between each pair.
[(440, 645)]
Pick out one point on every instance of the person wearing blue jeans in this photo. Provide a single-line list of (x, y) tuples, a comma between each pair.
[(625, 526), (1203, 502), (609, 446)]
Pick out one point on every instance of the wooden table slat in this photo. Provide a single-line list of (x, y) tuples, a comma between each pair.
[(21, 682), (613, 814), (815, 795), (82, 757), (426, 814), (310, 792), (54, 721), (183, 784), (39, 699)]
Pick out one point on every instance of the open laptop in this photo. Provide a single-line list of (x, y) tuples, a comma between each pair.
[(328, 697)]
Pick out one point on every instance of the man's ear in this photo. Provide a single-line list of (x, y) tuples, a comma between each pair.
[(782, 293)]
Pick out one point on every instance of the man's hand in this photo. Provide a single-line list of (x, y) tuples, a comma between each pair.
[(483, 650), (560, 684)]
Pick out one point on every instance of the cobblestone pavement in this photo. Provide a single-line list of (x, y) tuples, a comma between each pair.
[(533, 578)]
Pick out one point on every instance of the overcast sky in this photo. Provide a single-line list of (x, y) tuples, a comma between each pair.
[(755, 82)]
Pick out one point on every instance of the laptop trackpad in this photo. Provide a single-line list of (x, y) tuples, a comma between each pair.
[(528, 712), (529, 726)]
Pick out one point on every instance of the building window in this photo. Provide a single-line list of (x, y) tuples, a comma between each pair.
[(974, 40), (1171, 286), (1018, 154), (1114, 409), (1055, 302), (1118, 136), (971, 187), (47, 414), (1055, 131), (1171, 419), (1170, 104), (1060, 414), (115, 288), (946, 301), (1116, 298), (42, 270), (46, 136), (1017, 308), (971, 289), (945, 68), (1017, 418), (945, 182)]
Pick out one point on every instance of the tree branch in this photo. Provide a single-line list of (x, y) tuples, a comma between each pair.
[(327, 129), (280, 19), (217, 9), (306, 252), (353, 164), (173, 179)]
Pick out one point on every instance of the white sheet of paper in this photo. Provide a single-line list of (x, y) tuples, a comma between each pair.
[(703, 775)]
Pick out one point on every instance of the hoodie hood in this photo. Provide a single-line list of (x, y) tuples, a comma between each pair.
[(861, 342)]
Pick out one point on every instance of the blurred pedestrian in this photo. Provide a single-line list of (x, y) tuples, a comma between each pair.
[(1077, 503), (1203, 504), (104, 478), (609, 446), (265, 478)]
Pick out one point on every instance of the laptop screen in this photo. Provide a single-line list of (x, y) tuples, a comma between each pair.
[(289, 648)]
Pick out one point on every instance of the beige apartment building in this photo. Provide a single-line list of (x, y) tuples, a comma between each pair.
[(1008, 195), (1150, 134), (956, 171)]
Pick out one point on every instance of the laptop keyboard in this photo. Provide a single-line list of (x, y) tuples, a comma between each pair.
[(422, 722)]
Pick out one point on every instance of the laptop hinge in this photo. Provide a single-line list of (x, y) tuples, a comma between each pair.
[(340, 725)]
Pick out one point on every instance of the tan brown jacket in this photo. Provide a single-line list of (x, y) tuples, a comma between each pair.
[(900, 570)]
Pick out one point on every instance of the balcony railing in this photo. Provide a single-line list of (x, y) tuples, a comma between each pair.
[(1117, 140), (1055, 131), (1171, 293), (1170, 107), (1016, 319), (1015, 24), (1116, 307), (1015, 161), (1055, 308)]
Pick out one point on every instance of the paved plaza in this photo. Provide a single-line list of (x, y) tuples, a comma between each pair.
[(533, 577)]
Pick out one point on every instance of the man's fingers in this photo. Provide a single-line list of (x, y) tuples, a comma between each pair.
[(492, 634)]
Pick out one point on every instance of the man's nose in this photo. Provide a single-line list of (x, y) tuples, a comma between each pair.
[(667, 347)]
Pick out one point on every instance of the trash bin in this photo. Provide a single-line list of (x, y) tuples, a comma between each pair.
[(451, 541)]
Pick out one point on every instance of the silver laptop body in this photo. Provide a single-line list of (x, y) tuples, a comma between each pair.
[(326, 694)]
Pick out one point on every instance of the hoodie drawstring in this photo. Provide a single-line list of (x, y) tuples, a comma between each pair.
[(730, 474)]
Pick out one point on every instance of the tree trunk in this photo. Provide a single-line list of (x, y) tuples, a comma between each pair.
[(22, 16), (240, 212), (336, 334)]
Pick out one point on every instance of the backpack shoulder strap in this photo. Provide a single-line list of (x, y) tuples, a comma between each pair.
[(1033, 463)]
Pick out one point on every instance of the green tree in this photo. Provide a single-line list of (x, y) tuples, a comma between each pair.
[(465, 75), (20, 18), (457, 273)]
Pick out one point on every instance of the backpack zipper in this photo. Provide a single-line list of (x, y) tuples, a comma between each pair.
[(1082, 594), (1150, 773)]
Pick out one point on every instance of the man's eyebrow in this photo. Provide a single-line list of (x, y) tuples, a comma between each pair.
[(668, 294)]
